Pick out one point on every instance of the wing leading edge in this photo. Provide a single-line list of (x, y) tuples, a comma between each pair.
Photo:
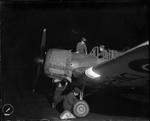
[(129, 69)]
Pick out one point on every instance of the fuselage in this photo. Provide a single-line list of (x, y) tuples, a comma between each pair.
[(60, 63)]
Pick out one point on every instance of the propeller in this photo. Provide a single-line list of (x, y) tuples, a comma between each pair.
[(40, 60)]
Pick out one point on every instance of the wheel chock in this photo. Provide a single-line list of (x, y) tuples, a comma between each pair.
[(66, 115)]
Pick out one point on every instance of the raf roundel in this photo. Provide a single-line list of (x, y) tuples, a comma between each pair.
[(140, 65)]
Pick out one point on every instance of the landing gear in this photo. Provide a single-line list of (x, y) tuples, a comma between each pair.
[(81, 108), (75, 104)]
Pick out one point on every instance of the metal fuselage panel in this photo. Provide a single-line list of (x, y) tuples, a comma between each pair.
[(60, 63)]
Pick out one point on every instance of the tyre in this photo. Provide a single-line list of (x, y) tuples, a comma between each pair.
[(81, 109)]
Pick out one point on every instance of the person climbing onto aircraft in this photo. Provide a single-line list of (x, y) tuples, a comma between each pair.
[(102, 48), (81, 46), (104, 52)]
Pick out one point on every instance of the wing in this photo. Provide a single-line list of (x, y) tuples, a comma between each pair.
[(129, 69)]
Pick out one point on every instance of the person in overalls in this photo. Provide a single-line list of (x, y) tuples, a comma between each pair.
[(58, 97), (71, 99), (81, 46)]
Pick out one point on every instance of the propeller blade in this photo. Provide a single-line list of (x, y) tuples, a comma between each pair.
[(37, 77), (40, 60), (43, 43)]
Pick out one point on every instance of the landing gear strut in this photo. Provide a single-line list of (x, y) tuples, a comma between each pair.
[(81, 108), (77, 106)]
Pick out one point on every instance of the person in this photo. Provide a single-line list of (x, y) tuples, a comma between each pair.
[(60, 87), (71, 99), (68, 103), (81, 46), (104, 52), (102, 48)]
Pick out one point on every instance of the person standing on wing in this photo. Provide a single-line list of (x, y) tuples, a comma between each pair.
[(81, 46)]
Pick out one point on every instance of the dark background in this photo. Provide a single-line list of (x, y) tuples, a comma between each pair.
[(115, 25)]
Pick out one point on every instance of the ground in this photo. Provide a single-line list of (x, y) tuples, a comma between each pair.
[(35, 107)]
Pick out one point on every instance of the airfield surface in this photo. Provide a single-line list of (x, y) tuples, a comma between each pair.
[(35, 107)]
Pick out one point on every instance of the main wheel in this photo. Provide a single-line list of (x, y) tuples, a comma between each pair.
[(81, 109)]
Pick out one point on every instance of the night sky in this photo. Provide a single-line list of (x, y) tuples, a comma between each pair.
[(115, 25)]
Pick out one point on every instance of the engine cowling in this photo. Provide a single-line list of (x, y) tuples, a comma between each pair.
[(57, 63)]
